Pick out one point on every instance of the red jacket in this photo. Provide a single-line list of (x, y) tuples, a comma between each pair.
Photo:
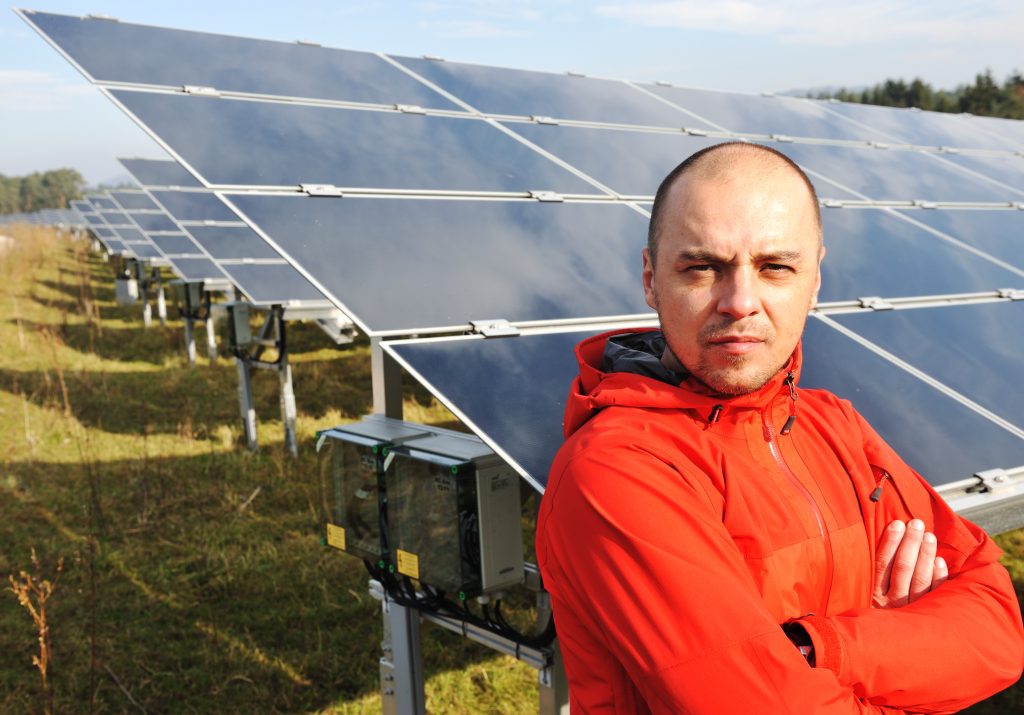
[(680, 529)]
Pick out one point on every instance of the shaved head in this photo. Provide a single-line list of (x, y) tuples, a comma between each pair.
[(718, 163)]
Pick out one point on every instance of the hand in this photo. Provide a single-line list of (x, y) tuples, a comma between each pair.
[(906, 567)]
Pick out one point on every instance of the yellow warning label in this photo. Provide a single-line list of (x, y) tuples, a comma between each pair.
[(336, 536), (408, 564)]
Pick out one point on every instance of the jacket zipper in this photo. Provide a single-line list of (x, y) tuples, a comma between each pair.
[(773, 447)]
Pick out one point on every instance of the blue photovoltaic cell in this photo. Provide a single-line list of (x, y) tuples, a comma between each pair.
[(920, 128), (1010, 131), (145, 250), (755, 114), (122, 52), (267, 284), (197, 269), (630, 163), (102, 203), (116, 218), (1006, 168), (175, 244), (895, 174), (227, 242), (874, 253), (999, 233), (115, 245), (133, 200), (259, 143), (131, 235), (159, 172), (528, 377), (104, 232), (194, 206), (975, 349), (156, 222), (498, 90), (517, 260)]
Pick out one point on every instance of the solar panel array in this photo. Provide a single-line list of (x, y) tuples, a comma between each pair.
[(204, 240), (44, 217), (422, 196)]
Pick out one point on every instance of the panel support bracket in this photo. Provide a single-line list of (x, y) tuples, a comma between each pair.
[(994, 481), (495, 328), (547, 196), (874, 302), (320, 190), (1011, 293), (200, 90)]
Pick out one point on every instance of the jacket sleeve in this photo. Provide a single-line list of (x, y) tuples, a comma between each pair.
[(952, 647), (636, 556)]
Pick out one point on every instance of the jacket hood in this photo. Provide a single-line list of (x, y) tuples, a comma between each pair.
[(624, 368)]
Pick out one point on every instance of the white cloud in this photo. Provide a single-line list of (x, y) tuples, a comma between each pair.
[(810, 22), (31, 89)]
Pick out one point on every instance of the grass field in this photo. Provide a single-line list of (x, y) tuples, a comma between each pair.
[(193, 579)]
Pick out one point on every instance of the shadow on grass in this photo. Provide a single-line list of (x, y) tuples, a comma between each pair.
[(210, 596)]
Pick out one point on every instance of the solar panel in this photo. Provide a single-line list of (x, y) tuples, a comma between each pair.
[(498, 90), (999, 233), (773, 115), (517, 260), (921, 128), (528, 378), (1005, 168), (159, 172), (232, 242), (111, 51), (273, 283), (982, 363), (897, 175), (155, 222), (245, 143), (870, 250), (188, 206), (134, 201), (175, 244)]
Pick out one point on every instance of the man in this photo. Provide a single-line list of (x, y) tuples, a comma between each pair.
[(716, 540)]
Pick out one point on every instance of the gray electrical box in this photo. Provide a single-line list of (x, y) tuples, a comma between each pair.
[(448, 507), (239, 328), (126, 291)]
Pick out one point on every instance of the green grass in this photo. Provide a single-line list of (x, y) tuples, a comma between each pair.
[(197, 596)]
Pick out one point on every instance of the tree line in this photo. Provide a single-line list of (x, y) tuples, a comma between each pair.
[(42, 190), (985, 97)]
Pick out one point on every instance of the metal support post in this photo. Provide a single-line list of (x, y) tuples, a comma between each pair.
[(142, 279), (284, 371), (190, 340), (161, 300), (211, 334), (553, 686), (245, 402), (401, 665), (387, 382)]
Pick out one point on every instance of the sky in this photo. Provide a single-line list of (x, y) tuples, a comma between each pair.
[(51, 117)]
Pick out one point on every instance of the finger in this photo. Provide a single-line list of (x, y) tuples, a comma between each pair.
[(940, 572), (886, 551), (924, 571), (905, 562)]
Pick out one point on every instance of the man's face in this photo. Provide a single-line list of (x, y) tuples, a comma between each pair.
[(737, 270)]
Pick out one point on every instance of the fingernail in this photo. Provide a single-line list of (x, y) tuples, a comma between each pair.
[(916, 524), (940, 563), (929, 537), (897, 526)]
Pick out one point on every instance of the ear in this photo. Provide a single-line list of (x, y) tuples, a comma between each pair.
[(648, 276), (817, 278)]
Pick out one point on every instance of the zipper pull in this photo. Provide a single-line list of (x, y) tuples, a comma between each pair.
[(793, 397), (716, 412), (876, 495)]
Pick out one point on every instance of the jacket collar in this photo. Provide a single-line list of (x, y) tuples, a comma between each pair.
[(643, 385)]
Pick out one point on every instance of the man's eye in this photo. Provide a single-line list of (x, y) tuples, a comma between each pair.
[(777, 267), (700, 268)]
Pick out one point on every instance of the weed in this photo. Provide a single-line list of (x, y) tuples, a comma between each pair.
[(33, 592)]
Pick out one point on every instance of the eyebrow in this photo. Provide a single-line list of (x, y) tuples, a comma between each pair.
[(703, 256)]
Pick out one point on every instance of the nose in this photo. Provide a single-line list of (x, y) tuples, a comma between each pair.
[(738, 294)]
